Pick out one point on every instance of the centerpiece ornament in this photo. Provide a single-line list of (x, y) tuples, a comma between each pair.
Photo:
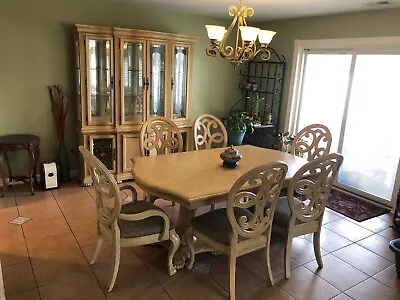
[(230, 157), (245, 48)]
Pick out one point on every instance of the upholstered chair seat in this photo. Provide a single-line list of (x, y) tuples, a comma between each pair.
[(283, 213), (152, 225), (207, 223)]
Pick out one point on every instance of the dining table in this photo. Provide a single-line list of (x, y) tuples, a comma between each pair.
[(195, 179)]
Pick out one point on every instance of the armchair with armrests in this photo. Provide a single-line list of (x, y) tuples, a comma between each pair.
[(133, 224)]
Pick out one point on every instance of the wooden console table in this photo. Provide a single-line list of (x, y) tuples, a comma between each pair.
[(16, 142)]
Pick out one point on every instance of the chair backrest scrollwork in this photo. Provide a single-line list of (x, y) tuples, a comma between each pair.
[(108, 202), (257, 190), (312, 141), (160, 136), (209, 132), (309, 189)]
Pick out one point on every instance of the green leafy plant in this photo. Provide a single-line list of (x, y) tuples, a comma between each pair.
[(255, 105), (239, 122)]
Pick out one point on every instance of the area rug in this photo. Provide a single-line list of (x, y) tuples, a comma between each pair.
[(352, 207)]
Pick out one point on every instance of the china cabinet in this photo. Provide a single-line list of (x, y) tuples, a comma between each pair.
[(125, 76)]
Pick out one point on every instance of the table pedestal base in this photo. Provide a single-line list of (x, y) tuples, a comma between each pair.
[(183, 253)]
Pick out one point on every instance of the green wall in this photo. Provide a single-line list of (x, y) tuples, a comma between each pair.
[(37, 50), (363, 24)]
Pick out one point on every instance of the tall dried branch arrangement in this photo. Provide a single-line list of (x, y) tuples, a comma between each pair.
[(59, 108)]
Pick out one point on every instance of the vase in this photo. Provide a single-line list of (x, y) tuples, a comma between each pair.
[(235, 138), (63, 164)]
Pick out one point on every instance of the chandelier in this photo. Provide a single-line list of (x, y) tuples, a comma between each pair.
[(245, 48)]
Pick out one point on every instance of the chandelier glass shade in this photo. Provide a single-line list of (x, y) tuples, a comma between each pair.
[(245, 48)]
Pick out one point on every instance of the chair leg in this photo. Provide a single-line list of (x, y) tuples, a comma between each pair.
[(117, 249), (99, 243), (317, 247), (268, 258), (175, 243), (288, 255), (190, 243), (232, 276)]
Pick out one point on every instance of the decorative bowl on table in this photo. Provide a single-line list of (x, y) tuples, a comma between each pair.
[(230, 157)]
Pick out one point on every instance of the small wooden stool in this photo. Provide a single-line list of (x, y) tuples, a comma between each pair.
[(16, 142)]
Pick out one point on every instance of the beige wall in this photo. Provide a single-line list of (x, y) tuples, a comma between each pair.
[(363, 24), (36, 50)]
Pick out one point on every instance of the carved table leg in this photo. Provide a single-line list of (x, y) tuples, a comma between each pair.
[(31, 166), (37, 156), (10, 176), (4, 179), (182, 255)]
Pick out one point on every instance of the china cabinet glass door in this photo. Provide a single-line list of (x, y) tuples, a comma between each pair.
[(132, 82), (156, 81), (100, 81), (179, 81)]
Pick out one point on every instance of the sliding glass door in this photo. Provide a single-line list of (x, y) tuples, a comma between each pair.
[(324, 90), (358, 97), (371, 143)]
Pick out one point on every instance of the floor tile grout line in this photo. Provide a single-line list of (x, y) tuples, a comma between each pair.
[(154, 277), (368, 277), (356, 243), (30, 262), (27, 249), (79, 246), (393, 262)]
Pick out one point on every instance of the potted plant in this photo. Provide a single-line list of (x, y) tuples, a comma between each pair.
[(236, 125)]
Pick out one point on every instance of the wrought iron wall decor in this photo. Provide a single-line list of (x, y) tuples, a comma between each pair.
[(262, 82), (262, 86)]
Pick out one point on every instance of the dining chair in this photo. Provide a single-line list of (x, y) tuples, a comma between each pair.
[(312, 141), (160, 136), (209, 132), (244, 225), (132, 224), (302, 210)]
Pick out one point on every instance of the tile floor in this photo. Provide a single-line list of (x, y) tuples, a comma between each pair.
[(47, 258)]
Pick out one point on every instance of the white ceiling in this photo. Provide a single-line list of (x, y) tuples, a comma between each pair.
[(268, 9)]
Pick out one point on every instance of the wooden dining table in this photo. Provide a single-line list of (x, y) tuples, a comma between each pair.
[(196, 179)]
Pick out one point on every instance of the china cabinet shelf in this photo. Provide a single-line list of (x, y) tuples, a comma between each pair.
[(125, 76)]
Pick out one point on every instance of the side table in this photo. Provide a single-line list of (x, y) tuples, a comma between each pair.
[(16, 142)]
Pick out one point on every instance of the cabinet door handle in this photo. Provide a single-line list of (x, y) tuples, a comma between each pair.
[(148, 83), (112, 82), (172, 83)]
